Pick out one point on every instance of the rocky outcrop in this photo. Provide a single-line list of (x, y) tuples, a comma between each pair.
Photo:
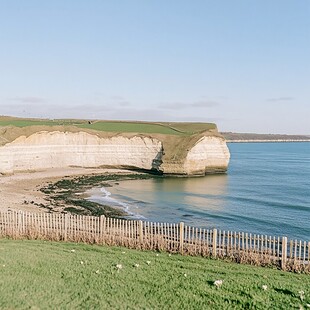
[(200, 155), (208, 155)]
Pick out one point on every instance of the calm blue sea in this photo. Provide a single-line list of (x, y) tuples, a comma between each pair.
[(266, 191)]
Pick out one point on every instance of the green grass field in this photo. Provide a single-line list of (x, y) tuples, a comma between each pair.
[(131, 127), (114, 126), (50, 275), (32, 122)]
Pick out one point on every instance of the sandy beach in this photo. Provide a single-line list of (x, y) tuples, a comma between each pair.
[(21, 191)]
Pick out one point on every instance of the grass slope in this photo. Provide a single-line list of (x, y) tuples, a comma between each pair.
[(131, 127), (50, 275)]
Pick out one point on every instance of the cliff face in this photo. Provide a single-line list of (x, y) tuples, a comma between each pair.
[(63, 149), (56, 149)]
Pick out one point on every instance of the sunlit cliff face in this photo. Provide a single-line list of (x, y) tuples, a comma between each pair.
[(43, 150), (209, 155)]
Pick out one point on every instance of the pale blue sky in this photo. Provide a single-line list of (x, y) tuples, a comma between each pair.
[(242, 64)]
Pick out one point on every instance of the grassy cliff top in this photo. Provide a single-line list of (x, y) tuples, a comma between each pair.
[(113, 126), (177, 138)]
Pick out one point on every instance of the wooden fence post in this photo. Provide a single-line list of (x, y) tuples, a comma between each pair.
[(66, 227), (20, 224), (141, 232), (181, 237), (214, 242), (284, 253), (291, 248), (102, 225)]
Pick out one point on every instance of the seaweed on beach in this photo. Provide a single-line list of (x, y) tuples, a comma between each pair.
[(96, 209), (88, 181), (66, 194)]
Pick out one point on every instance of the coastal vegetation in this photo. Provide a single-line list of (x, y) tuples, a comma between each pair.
[(43, 274)]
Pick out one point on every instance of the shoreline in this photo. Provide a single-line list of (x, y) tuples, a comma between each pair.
[(60, 190), (96, 195)]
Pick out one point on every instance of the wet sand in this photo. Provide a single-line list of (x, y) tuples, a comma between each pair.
[(21, 191)]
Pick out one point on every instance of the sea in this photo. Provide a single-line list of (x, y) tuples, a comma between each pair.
[(266, 191)]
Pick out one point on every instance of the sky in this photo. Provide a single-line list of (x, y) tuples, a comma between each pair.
[(244, 65)]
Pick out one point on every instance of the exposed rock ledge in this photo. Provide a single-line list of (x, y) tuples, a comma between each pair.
[(56, 149)]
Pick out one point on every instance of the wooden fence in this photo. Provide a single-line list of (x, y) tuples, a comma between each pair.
[(176, 238)]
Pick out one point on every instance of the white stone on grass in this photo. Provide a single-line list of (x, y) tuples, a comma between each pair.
[(218, 283), (301, 295)]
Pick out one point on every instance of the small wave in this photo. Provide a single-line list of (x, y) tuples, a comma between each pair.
[(107, 193), (107, 199)]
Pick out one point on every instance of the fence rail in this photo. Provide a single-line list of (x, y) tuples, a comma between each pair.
[(177, 238)]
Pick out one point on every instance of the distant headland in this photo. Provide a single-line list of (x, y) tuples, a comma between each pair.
[(254, 137)]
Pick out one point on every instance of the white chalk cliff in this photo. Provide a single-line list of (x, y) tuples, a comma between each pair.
[(56, 149), (209, 155)]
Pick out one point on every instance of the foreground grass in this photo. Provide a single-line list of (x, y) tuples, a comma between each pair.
[(41, 275)]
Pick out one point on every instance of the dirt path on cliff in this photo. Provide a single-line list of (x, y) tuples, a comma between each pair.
[(21, 191)]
